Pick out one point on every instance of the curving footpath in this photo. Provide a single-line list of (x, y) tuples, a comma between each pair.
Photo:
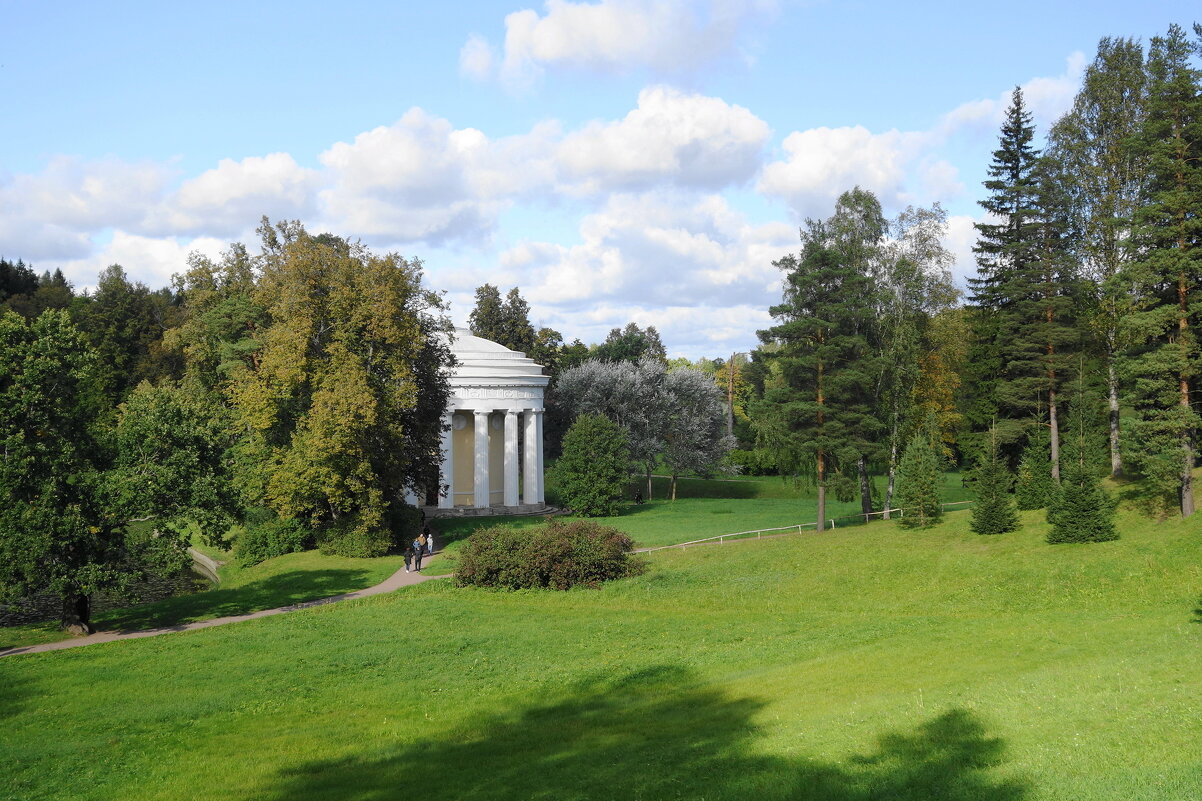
[(399, 579)]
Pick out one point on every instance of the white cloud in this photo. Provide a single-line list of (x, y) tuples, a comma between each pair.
[(670, 137), (226, 199), (960, 239), (666, 36), (476, 58), (822, 163), (1046, 98), (409, 181), (151, 260), (660, 247)]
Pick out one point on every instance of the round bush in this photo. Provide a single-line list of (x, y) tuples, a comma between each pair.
[(557, 555)]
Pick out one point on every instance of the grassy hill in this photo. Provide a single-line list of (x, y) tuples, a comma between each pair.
[(867, 663)]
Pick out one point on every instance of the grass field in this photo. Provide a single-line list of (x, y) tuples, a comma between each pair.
[(703, 509), (869, 663)]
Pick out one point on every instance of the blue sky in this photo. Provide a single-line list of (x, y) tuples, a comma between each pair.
[(617, 160)]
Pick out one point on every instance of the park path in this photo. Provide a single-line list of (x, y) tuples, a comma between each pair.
[(401, 578)]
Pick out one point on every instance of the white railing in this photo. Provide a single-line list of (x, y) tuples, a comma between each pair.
[(797, 527)]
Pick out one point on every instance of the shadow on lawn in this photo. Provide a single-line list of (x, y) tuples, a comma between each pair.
[(655, 734), (268, 593)]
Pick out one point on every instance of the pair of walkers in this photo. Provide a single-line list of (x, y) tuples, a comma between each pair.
[(422, 545)]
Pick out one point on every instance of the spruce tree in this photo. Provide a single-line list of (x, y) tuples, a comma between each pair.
[(994, 511), (1034, 487), (1024, 324), (918, 483), (1082, 511)]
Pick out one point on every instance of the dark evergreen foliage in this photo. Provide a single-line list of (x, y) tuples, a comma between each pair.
[(1082, 511), (820, 360), (1161, 371), (994, 512), (1034, 487), (1024, 326)]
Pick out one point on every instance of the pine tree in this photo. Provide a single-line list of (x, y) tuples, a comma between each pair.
[(1082, 511), (994, 511), (1034, 487), (918, 483), (821, 358), (1164, 366)]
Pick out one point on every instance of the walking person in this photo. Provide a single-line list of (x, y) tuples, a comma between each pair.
[(429, 535), (419, 547)]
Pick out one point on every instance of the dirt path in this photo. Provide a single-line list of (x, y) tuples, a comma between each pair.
[(401, 578)]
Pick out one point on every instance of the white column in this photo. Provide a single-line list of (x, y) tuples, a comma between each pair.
[(446, 471), (481, 437), (530, 486), (511, 457), (538, 453)]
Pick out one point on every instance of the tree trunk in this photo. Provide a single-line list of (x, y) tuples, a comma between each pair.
[(821, 491), (821, 455), (1187, 445), (673, 486), (1112, 381), (648, 481), (865, 488), (892, 461), (1054, 428), (77, 614)]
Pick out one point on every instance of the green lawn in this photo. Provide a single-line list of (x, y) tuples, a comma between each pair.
[(281, 581), (702, 509), (865, 664)]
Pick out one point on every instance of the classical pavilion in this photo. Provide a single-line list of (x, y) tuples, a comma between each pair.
[(492, 445)]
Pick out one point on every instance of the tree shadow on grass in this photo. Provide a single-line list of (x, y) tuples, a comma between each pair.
[(267, 593), (12, 695), (654, 734)]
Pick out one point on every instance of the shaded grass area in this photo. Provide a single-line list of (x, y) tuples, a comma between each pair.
[(287, 579), (873, 663)]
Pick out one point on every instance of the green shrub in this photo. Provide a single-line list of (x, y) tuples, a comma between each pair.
[(752, 463), (591, 473), (554, 556), (265, 538), (349, 537)]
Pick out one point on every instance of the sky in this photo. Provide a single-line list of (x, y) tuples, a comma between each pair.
[(617, 160)]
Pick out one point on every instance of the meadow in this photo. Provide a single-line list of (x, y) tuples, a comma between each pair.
[(865, 663)]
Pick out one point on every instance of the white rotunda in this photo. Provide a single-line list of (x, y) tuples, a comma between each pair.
[(492, 448)]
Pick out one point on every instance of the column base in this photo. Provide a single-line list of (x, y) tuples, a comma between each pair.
[(492, 511)]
